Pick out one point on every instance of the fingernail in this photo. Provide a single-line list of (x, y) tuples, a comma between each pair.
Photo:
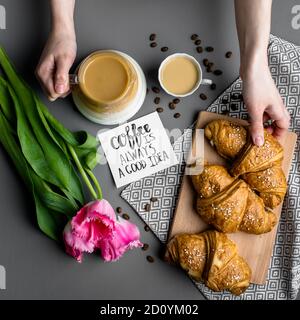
[(259, 141), (60, 89)]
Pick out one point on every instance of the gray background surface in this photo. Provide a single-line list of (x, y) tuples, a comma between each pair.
[(38, 268)]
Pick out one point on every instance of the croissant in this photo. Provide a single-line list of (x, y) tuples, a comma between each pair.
[(260, 167), (229, 204), (228, 138), (212, 258)]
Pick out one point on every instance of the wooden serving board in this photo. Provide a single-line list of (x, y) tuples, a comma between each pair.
[(256, 249)]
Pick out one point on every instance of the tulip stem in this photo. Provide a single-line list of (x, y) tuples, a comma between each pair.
[(82, 172), (96, 183)]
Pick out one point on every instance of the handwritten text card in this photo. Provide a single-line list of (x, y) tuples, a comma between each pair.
[(137, 149)]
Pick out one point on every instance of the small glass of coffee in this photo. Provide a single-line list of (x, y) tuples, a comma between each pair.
[(180, 75)]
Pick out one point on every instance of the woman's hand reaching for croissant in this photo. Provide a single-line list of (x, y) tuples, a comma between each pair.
[(263, 102)]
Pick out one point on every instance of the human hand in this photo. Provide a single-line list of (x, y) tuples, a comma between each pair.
[(263, 102), (55, 63)]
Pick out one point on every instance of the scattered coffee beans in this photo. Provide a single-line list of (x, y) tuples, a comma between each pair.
[(211, 65), (228, 54), (197, 42), (194, 36), (125, 216), (208, 69), (157, 100), (177, 115), (145, 246), (209, 49), (164, 49), (146, 228), (150, 259), (147, 207), (213, 86), (153, 44), (119, 210), (172, 105), (155, 89), (176, 100), (203, 96), (218, 72), (160, 109), (205, 62), (153, 199), (199, 49), (152, 37)]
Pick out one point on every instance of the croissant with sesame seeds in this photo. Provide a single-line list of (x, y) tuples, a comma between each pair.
[(210, 257), (260, 167), (229, 204)]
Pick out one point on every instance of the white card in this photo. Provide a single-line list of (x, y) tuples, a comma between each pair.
[(137, 149)]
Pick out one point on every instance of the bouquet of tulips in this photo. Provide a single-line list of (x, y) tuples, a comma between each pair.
[(55, 164)]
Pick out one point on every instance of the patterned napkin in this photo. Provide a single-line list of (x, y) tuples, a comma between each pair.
[(283, 280)]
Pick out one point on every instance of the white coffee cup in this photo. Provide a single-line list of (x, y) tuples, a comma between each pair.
[(197, 65)]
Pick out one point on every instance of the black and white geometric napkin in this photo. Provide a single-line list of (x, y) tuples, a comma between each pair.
[(283, 280)]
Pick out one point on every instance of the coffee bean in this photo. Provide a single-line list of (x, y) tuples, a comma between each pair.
[(164, 49), (152, 37), (147, 207), (203, 96), (205, 62), (172, 105), (228, 54), (153, 199), (213, 86), (153, 44), (218, 72), (125, 216), (208, 69), (160, 109), (157, 100), (177, 115), (234, 106), (155, 89), (197, 42), (199, 49), (209, 49), (194, 36), (176, 100), (147, 228), (211, 64), (150, 259), (145, 246), (119, 210)]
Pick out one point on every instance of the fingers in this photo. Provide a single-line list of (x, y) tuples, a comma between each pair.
[(44, 73), (281, 119), (53, 74), (257, 128), (61, 77)]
